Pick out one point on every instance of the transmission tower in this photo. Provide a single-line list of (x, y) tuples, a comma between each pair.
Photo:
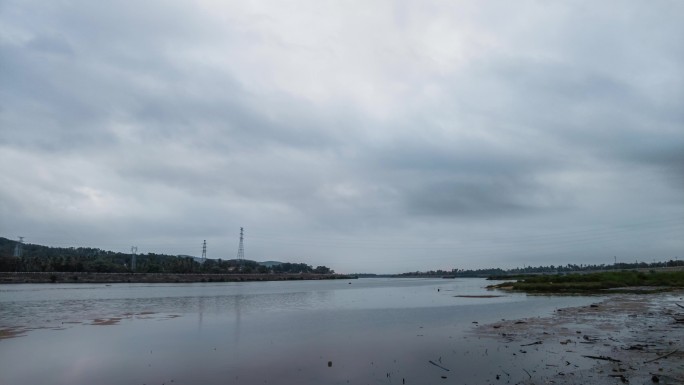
[(241, 249), (204, 251), (19, 247), (134, 250)]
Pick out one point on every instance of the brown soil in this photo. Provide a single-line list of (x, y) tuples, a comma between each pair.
[(12, 333), (106, 321)]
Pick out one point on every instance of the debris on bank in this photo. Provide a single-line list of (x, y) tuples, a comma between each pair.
[(627, 338)]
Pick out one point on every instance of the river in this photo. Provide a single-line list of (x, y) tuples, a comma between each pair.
[(365, 331)]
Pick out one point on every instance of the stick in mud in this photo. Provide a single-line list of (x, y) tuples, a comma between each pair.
[(659, 357), (533, 343), (528, 373), (437, 365), (603, 358)]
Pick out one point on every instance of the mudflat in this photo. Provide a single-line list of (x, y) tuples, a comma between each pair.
[(625, 338)]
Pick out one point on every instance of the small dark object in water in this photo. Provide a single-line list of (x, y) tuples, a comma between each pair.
[(444, 377), (593, 305), (655, 378), (329, 363)]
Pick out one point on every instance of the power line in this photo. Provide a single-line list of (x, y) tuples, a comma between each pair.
[(487, 241), (498, 239)]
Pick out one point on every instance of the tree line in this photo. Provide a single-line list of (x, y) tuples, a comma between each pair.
[(37, 258), (551, 269)]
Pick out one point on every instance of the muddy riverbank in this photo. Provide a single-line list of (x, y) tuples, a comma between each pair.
[(37, 277), (626, 338)]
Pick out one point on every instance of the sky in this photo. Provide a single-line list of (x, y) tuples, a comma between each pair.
[(366, 136)]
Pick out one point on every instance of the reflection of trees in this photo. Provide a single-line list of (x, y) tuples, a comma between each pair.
[(238, 318)]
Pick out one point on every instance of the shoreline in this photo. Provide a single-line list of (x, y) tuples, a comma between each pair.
[(607, 339), (83, 277), (625, 338)]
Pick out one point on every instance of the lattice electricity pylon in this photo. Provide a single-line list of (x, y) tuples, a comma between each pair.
[(19, 248), (134, 251), (241, 248), (204, 251)]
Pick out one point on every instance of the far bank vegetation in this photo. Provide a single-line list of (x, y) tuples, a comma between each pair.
[(37, 258), (598, 282)]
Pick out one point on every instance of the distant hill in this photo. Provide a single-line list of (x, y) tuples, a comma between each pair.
[(37, 258), (270, 263), (265, 263)]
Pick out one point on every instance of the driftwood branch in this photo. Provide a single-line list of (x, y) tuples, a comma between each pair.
[(659, 357), (603, 358), (438, 365)]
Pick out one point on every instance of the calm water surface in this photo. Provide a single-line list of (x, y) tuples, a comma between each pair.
[(372, 331)]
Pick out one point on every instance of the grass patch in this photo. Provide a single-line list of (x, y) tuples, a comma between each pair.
[(594, 282)]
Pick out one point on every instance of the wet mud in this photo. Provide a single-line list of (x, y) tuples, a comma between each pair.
[(626, 338), (21, 331), (13, 332)]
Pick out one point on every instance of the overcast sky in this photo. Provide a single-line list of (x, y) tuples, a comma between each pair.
[(367, 136)]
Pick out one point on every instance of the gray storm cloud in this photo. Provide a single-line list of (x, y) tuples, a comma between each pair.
[(380, 137)]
